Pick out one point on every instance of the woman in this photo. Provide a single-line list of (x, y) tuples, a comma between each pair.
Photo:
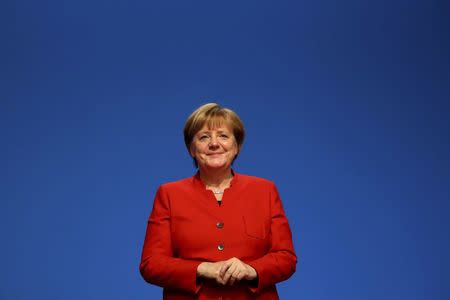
[(218, 234)]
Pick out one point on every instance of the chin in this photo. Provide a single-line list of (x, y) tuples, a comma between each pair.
[(218, 165)]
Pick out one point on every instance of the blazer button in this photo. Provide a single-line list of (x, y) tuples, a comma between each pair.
[(219, 225), (220, 247)]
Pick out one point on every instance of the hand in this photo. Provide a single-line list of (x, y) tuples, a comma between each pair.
[(211, 271), (234, 269)]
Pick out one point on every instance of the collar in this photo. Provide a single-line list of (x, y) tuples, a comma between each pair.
[(199, 183)]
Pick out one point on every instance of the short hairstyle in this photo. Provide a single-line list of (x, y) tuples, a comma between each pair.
[(213, 115)]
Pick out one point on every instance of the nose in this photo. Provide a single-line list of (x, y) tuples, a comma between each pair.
[(213, 142)]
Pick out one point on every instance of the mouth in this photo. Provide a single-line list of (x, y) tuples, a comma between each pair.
[(214, 154)]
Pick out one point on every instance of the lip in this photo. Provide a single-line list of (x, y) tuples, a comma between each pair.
[(214, 154)]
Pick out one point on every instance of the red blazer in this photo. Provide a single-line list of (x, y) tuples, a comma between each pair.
[(187, 227)]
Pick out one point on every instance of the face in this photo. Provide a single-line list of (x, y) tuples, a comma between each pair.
[(214, 148)]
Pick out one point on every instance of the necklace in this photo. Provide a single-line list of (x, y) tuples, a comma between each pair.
[(216, 190)]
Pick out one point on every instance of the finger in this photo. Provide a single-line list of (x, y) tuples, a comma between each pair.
[(229, 272), (218, 276), (235, 276), (240, 276), (250, 272), (219, 280), (224, 268)]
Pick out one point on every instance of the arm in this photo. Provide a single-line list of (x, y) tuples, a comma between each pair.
[(158, 265), (280, 262)]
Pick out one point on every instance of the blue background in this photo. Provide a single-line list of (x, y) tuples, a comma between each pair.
[(345, 105)]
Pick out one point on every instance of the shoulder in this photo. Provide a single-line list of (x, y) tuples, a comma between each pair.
[(255, 181), (184, 183)]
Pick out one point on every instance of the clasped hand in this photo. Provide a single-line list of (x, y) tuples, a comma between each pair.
[(227, 271)]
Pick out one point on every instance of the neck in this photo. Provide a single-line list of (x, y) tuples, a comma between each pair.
[(216, 178)]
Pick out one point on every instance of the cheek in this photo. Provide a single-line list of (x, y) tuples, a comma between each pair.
[(198, 153), (194, 151), (235, 149)]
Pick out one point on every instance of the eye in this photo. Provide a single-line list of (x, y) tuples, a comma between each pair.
[(203, 137), (224, 136)]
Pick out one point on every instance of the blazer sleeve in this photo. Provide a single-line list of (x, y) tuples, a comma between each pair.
[(280, 261), (158, 265)]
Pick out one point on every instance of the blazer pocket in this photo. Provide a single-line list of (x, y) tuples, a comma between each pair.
[(254, 227)]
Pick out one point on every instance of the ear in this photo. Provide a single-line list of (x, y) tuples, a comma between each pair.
[(238, 149), (192, 149)]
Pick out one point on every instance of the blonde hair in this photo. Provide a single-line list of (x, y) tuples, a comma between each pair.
[(213, 115)]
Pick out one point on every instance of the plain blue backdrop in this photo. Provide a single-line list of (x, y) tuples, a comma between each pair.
[(346, 107)]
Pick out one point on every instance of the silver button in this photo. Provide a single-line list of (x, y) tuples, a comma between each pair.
[(219, 225), (220, 247)]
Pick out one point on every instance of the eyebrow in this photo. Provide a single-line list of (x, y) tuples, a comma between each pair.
[(202, 132), (209, 131)]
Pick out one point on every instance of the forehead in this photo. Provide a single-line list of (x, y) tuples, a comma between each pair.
[(206, 128), (216, 124)]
